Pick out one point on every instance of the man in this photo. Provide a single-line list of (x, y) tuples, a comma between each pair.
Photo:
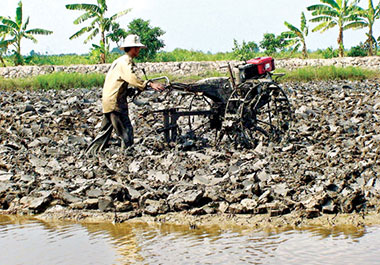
[(119, 80)]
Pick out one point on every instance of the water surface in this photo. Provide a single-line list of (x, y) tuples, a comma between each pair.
[(30, 241)]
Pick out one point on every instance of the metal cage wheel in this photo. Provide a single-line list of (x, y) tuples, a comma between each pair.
[(265, 112), (232, 130), (209, 98), (199, 125)]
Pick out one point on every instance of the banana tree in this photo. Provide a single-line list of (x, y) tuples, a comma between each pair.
[(3, 45), (99, 25), (17, 30), (369, 16), (297, 37), (332, 13)]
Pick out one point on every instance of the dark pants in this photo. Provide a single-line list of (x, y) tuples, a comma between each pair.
[(123, 127)]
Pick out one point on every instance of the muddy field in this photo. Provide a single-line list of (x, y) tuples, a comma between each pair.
[(328, 164)]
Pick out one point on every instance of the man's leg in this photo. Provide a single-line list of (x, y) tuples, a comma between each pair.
[(123, 127), (101, 141)]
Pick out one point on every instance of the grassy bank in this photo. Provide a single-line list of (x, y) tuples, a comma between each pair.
[(307, 74), (63, 80), (59, 80)]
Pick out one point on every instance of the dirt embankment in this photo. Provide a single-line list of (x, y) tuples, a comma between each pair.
[(327, 167)]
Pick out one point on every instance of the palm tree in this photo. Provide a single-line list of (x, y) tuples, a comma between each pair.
[(297, 36), (100, 23), (18, 30), (339, 13), (370, 15)]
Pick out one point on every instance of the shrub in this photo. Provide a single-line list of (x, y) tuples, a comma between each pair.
[(357, 51), (245, 51), (330, 52)]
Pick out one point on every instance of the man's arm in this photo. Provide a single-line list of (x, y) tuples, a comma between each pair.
[(128, 74)]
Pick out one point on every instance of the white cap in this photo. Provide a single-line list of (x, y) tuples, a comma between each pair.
[(132, 41)]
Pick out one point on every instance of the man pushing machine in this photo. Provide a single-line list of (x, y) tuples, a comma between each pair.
[(117, 86)]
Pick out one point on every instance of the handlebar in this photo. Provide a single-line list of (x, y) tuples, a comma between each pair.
[(167, 81)]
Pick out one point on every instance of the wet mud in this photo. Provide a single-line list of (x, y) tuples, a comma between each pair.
[(326, 167)]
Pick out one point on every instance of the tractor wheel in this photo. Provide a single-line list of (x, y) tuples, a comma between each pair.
[(265, 113), (199, 125)]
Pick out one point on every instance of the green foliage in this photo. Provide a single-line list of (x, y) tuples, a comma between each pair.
[(357, 51), (369, 17), (3, 47), (58, 80), (307, 74), (96, 53), (328, 53), (150, 36), (271, 43), (67, 59), (332, 13), (17, 30), (177, 55), (117, 34), (107, 27), (63, 80), (245, 51), (180, 55), (297, 37)]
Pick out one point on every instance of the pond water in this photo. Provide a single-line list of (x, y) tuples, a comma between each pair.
[(30, 241)]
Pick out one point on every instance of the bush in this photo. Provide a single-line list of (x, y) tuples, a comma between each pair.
[(245, 51), (149, 35), (271, 43), (328, 53), (357, 51)]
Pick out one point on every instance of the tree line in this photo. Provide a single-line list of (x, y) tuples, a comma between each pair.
[(12, 31), (343, 14), (327, 14)]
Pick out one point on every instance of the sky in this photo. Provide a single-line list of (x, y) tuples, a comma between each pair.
[(204, 25)]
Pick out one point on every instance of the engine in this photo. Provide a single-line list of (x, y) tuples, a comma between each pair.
[(255, 68)]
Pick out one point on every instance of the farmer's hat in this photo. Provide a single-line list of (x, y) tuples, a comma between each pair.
[(132, 41)]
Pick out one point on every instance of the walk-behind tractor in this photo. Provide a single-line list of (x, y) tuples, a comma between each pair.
[(247, 107)]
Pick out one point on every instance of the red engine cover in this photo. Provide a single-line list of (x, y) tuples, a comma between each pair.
[(264, 64)]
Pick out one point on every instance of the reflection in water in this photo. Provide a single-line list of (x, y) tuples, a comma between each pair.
[(29, 241)]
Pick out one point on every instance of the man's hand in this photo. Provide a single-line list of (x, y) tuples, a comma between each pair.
[(157, 86)]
